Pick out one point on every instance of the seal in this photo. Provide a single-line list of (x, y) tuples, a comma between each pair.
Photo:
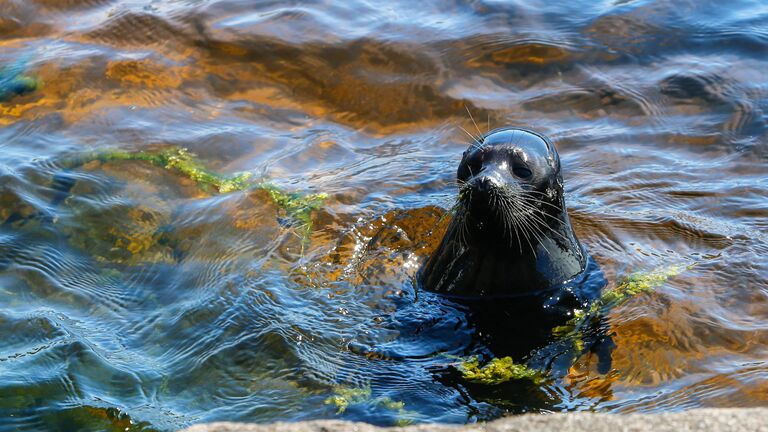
[(510, 234), (509, 256)]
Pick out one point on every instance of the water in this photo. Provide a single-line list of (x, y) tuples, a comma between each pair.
[(133, 299)]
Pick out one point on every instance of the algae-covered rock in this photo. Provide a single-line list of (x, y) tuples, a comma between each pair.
[(136, 227), (13, 207), (13, 82), (127, 232), (294, 207)]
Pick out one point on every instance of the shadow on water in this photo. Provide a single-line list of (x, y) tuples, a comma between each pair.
[(132, 298)]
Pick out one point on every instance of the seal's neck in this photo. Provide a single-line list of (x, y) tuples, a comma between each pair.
[(482, 259)]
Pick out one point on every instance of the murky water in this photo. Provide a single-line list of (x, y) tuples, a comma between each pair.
[(133, 298)]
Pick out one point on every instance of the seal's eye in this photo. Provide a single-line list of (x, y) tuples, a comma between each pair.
[(522, 172)]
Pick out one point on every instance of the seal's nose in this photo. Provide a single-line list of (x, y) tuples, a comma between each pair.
[(481, 191), (483, 184)]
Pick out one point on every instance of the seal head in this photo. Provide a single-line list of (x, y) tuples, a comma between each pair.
[(510, 234)]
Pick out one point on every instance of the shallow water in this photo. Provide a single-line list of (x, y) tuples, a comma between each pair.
[(134, 299)]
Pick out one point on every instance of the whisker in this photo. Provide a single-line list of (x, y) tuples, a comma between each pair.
[(535, 192), (537, 234), (515, 211), (473, 120), (476, 144), (524, 230), (519, 222), (536, 214), (509, 225)]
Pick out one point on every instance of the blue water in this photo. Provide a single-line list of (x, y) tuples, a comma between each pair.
[(131, 298)]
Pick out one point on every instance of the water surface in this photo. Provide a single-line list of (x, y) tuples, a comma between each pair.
[(133, 299)]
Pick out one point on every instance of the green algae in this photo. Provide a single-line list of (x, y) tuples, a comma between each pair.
[(498, 371), (296, 207), (185, 163), (640, 282), (501, 370), (391, 404), (343, 397), (637, 283)]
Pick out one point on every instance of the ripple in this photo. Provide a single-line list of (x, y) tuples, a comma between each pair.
[(129, 28), (718, 390), (502, 50), (59, 5), (133, 299)]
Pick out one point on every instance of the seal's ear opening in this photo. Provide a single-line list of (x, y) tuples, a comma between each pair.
[(554, 157)]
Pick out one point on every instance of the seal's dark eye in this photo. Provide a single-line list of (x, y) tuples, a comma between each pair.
[(475, 162), (522, 172)]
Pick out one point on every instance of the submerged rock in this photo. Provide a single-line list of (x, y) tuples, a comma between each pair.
[(13, 82)]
